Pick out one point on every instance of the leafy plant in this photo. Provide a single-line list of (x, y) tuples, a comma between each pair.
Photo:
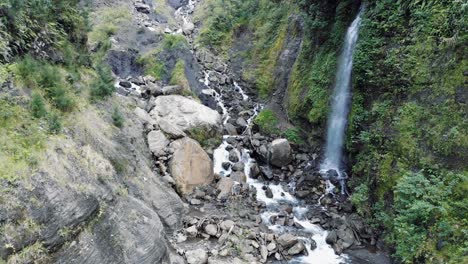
[(103, 85), (117, 117), (267, 121), (37, 106)]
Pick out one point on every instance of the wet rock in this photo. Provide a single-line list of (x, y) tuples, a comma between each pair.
[(331, 237), (287, 240), (313, 244), (185, 113), (190, 165), (298, 248), (346, 237), (254, 171), (268, 192), (238, 166), (280, 152), (224, 186), (157, 142), (241, 122), (125, 84), (181, 238), (233, 156), (196, 256), (226, 165), (230, 129), (211, 229)]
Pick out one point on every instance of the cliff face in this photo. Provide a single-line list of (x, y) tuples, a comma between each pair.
[(406, 136)]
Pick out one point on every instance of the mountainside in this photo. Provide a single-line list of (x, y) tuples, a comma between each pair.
[(194, 131)]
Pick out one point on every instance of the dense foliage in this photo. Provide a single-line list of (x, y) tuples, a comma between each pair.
[(407, 135)]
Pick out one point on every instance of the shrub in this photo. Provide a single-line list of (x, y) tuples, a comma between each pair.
[(103, 85), (37, 106), (293, 135), (178, 75), (267, 121), (152, 66), (171, 42), (117, 117), (55, 124)]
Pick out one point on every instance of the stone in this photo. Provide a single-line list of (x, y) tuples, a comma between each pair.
[(238, 166), (241, 122), (226, 225), (190, 165), (233, 156), (195, 202), (225, 187), (157, 142), (268, 192), (172, 89), (196, 256), (125, 84), (230, 129), (144, 116), (143, 8), (191, 231), (226, 165), (188, 28), (280, 152), (287, 240), (177, 3), (271, 246), (331, 237), (313, 244), (238, 176), (181, 238), (298, 248), (185, 113), (254, 171), (211, 229), (170, 130), (263, 252)]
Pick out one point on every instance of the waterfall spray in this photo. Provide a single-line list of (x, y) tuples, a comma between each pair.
[(340, 107)]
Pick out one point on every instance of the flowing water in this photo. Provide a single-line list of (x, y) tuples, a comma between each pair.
[(303, 228), (341, 100)]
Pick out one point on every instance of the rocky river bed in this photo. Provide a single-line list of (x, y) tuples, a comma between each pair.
[(251, 198)]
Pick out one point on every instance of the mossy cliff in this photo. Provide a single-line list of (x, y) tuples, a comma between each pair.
[(407, 131)]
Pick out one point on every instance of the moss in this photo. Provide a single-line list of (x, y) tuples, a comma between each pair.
[(171, 42), (206, 138), (178, 75), (267, 121), (21, 141), (107, 21)]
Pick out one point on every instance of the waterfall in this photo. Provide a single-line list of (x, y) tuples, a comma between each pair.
[(341, 103)]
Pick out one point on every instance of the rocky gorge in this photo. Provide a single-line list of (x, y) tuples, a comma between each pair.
[(192, 175)]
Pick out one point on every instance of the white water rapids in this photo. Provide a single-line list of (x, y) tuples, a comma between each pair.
[(303, 228)]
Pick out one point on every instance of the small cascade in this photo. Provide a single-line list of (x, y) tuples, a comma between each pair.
[(331, 167)]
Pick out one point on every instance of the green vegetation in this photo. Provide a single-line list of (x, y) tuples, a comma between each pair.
[(117, 117), (407, 133), (171, 42), (293, 135), (37, 106), (267, 121), (107, 23), (408, 130), (178, 75), (151, 65), (103, 85), (21, 140), (206, 138)]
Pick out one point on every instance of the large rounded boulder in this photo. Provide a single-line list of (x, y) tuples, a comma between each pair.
[(190, 165), (280, 152)]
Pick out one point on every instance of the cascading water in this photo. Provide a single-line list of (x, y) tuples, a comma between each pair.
[(340, 104)]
